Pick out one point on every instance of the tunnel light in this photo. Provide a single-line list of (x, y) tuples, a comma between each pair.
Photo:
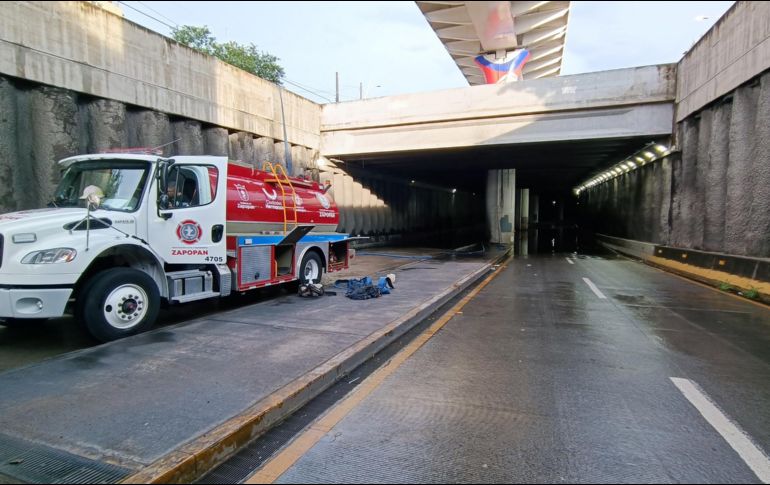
[(454, 191), (649, 155), (631, 165), (640, 160), (660, 149)]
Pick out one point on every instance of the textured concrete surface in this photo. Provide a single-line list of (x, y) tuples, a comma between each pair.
[(86, 49), (540, 381), (734, 50), (714, 196), (132, 401)]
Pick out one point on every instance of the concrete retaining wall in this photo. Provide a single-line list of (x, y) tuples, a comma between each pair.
[(86, 49), (373, 204), (734, 51), (40, 125), (713, 196)]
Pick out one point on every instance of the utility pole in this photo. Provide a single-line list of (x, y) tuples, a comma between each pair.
[(337, 77), (361, 90)]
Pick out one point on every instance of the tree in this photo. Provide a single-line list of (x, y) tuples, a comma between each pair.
[(246, 57)]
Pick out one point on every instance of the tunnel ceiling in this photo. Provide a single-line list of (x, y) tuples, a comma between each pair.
[(551, 166)]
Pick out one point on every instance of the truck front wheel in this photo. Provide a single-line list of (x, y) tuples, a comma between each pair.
[(117, 303)]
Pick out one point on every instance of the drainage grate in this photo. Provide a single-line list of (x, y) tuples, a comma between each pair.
[(29, 462)]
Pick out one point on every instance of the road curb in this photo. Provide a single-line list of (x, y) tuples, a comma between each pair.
[(202, 454)]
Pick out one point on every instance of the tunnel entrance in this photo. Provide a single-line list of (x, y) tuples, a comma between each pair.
[(545, 215)]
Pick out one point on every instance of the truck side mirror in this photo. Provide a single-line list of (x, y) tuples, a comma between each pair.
[(163, 199)]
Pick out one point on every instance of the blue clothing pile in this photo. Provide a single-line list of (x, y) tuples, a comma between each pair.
[(364, 288)]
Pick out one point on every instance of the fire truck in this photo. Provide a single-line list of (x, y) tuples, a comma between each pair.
[(126, 233)]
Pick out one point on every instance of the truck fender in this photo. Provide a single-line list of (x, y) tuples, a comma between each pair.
[(132, 256), (314, 248)]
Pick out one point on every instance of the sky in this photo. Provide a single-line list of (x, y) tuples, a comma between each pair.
[(388, 48)]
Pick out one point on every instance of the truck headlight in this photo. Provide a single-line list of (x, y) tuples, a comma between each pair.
[(48, 256)]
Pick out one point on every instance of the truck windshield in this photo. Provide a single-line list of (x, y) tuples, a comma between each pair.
[(119, 184)]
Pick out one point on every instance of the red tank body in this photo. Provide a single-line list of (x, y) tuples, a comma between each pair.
[(255, 203)]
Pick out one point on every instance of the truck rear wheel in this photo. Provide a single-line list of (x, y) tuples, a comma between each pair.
[(311, 268), (117, 303)]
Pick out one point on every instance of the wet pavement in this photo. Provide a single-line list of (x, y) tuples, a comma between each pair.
[(108, 411), (542, 380), (35, 343)]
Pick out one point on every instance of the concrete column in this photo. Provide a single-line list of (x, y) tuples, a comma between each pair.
[(357, 208), (150, 129), (107, 127), (387, 211), (347, 187), (242, 147), (338, 193), (264, 150), (411, 212), (534, 208), (684, 186), (758, 236), (740, 179), (524, 210), (367, 214), (9, 151), (501, 204), (299, 160), (216, 141), (702, 164), (715, 180), (664, 188), (279, 152), (189, 137), (49, 134)]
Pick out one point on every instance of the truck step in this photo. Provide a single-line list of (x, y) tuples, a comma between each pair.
[(195, 296)]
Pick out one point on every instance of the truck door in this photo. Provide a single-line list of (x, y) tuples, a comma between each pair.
[(188, 227)]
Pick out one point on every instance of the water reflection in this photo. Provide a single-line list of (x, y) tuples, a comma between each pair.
[(548, 239)]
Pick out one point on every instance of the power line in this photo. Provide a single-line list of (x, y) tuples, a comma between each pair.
[(153, 10), (308, 90), (146, 15), (330, 93)]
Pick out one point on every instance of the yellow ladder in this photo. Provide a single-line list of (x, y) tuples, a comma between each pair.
[(277, 170)]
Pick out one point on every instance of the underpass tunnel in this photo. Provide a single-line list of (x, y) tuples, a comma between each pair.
[(522, 195)]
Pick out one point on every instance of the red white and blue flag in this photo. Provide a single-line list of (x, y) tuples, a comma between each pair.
[(508, 69)]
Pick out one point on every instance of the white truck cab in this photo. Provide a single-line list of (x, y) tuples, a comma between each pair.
[(123, 233)]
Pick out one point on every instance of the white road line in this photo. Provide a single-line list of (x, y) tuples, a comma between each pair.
[(594, 288), (569, 261), (754, 457)]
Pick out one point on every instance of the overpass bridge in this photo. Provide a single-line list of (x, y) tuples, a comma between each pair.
[(555, 128)]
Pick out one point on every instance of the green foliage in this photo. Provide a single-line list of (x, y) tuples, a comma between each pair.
[(245, 57), (725, 286), (198, 38), (752, 294)]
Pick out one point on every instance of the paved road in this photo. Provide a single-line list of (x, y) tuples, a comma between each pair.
[(540, 379)]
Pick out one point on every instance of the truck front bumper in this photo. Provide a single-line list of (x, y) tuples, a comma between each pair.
[(33, 302)]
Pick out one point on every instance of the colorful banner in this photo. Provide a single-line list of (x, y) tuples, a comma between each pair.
[(508, 69)]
